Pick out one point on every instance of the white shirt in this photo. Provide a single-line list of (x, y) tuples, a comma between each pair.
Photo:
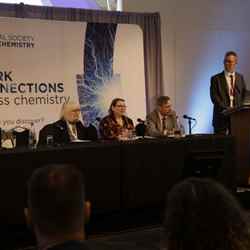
[(168, 125), (73, 136), (228, 79)]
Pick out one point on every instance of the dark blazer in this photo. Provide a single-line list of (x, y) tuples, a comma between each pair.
[(60, 133), (220, 98)]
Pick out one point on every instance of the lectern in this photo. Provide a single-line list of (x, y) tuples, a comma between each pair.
[(240, 129)]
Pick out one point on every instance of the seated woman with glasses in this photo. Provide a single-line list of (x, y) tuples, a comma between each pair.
[(116, 125)]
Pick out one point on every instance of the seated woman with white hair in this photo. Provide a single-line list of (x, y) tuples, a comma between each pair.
[(68, 128)]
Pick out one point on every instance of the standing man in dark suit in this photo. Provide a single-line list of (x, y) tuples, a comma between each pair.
[(227, 91), (69, 128)]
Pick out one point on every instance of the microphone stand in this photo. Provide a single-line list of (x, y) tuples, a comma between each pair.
[(190, 126), (190, 119)]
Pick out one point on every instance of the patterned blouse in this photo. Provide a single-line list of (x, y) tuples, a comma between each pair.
[(110, 129)]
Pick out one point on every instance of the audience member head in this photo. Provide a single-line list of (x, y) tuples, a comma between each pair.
[(202, 215), (230, 61), (164, 105), (70, 112), (117, 107), (56, 208)]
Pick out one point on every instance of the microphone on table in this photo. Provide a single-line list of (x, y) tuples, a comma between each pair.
[(60, 127), (141, 121), (189, 118)]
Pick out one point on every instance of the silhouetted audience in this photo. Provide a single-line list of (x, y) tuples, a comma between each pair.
[(56, 208), (202, 215)]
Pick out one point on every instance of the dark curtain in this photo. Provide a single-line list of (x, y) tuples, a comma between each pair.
[(149, 23)]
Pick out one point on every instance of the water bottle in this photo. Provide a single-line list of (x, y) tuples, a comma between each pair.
[(32, 136), (180, 127)]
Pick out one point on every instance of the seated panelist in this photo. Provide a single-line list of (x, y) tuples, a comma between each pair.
[(68, 129), (163, 120), (116, 125)]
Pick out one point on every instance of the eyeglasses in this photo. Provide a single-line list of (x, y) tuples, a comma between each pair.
[(230, 61), (75, 110), (121, 106)]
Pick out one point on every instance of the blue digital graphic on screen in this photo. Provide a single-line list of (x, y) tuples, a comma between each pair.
[(98, 82), (84, 4)]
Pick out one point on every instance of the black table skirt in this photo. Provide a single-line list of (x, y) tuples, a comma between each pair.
[(120, 175)]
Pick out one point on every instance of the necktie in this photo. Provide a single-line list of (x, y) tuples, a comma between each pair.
[(231, 85), (232, 91), (164, 123)]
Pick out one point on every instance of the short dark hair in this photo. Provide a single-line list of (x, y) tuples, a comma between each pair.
[(113, 103), (56, 199), (162, 100), (230, 53), (202, 214)]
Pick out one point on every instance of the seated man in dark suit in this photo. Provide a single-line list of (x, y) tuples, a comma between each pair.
[(56, 207), (69, 128)]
